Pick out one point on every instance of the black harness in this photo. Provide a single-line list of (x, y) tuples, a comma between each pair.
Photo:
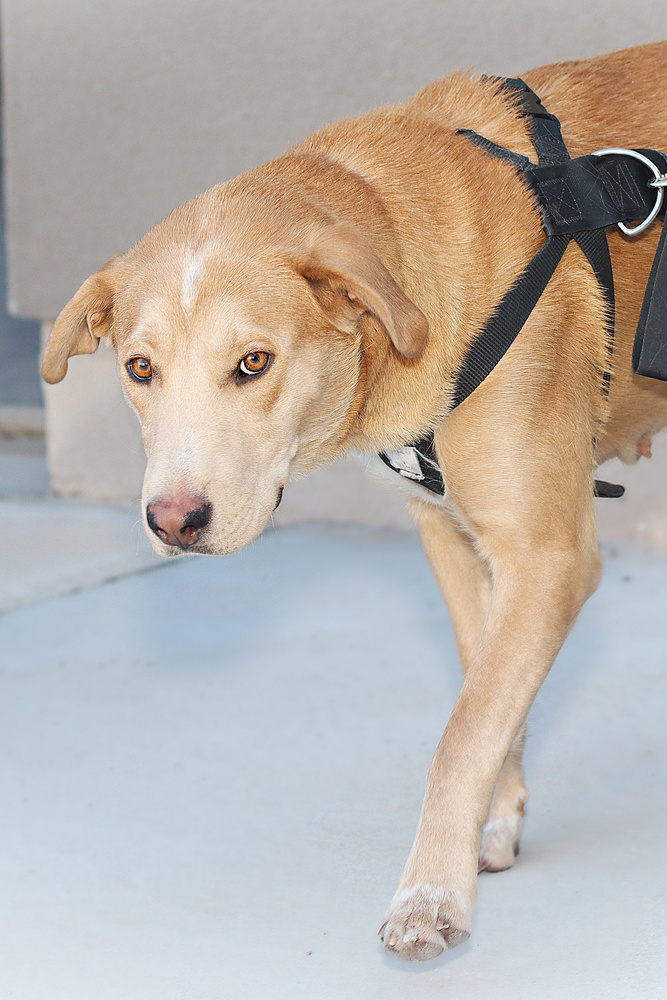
[(579, 200)]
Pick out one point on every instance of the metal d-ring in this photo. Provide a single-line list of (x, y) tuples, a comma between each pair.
[(659, 182)]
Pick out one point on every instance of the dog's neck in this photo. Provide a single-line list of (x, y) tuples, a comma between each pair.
[(453, 282)]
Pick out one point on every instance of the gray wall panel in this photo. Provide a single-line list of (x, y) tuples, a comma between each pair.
[(117, 112)]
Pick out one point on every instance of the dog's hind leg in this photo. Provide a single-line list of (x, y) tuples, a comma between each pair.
[(499, 845), (465, 583)]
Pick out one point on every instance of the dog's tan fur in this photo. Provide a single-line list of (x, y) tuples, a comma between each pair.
[(336, 258)]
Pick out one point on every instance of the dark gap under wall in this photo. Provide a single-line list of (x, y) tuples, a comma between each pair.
[(20, 383)]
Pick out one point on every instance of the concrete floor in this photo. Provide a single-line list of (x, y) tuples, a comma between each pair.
[(212, 770)]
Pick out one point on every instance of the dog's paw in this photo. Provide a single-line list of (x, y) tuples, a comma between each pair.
[(500, 841), (423, 921)]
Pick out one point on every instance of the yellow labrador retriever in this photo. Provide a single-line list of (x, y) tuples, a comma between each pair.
[(324, 303)]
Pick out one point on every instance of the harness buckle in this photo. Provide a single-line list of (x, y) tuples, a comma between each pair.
[(659, 182)]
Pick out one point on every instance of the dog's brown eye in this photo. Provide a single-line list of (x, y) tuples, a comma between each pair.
[(254, 363), (140, 369)]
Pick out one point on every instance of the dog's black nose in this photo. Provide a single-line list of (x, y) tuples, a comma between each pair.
[(179, 521)]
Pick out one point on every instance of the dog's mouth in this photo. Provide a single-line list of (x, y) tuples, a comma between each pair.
[(280, 497)]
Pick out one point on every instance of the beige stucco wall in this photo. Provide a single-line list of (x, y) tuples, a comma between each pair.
[(115, 113)]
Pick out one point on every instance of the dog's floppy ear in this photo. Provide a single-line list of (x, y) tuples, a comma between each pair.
[(78, 329), (348, 279)]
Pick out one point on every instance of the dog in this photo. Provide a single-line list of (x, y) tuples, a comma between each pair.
[(322, 304)]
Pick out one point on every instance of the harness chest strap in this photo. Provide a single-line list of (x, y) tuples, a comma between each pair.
[(578, 199)]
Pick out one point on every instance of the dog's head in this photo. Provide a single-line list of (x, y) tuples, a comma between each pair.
[(242, 357)]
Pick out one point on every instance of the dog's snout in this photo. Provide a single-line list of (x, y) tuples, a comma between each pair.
[(178, 522)]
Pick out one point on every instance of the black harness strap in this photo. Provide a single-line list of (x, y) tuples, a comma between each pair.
[(504, 325), (568, 208), (649, 354), (578, 200)]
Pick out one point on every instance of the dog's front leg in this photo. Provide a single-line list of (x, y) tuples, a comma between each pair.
[(465, 583), (537, 590)]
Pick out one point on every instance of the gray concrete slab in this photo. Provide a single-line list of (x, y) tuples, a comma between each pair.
[(53, 546), (212, 773)]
